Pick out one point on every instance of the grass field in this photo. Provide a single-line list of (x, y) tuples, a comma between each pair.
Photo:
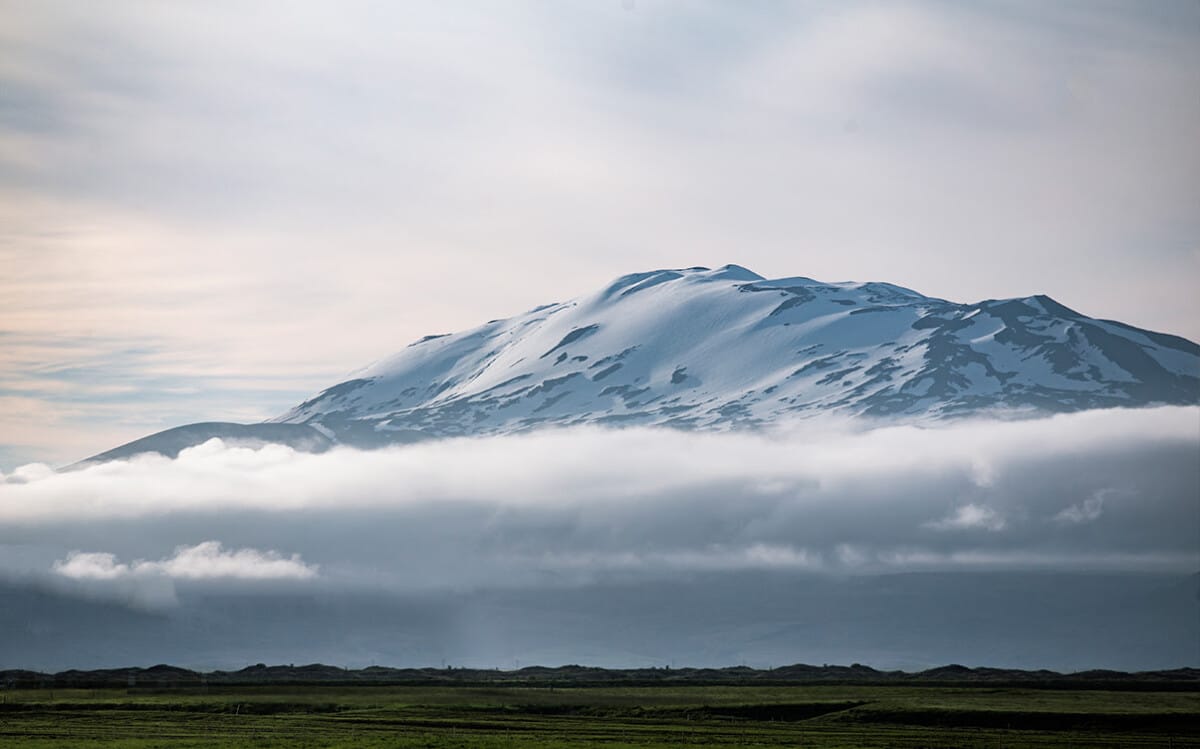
[(812, 716)]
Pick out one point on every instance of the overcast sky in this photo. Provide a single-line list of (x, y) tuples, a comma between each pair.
[(209, 210)]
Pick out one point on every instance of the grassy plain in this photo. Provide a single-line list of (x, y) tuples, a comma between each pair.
[(462, 716)]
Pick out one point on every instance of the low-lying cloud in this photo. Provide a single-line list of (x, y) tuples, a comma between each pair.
[(204, 561), (1112, 490), (152, 584)]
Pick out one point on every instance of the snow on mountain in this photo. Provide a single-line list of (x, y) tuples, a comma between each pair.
[(727, 348), (702, 348)]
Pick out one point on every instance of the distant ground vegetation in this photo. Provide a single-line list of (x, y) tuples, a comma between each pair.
[(547, 713)]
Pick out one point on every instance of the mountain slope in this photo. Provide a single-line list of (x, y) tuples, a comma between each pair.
[(721, 348), (170, 442), (726, 348)]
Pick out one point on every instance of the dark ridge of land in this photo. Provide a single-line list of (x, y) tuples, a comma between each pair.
[(172, 677)]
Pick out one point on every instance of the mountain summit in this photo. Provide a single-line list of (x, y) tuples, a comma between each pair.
[(727, 348)]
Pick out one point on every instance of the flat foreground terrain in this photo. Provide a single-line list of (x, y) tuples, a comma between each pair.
[(425, 716)]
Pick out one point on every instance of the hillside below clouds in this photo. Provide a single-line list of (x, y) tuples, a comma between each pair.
[(719, 349)]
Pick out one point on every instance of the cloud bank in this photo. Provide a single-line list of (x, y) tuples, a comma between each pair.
[(1111, 490)]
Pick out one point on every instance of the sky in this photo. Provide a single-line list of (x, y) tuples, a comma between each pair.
[(210, 210)]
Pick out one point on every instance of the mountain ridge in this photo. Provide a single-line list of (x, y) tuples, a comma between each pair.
[(726, 348), (164, 676)]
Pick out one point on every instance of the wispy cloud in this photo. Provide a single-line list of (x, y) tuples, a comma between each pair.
[(1086, 511), (62, 399), (970, 516)]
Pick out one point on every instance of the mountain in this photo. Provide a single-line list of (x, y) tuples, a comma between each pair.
[(727, 348), (170, 441)]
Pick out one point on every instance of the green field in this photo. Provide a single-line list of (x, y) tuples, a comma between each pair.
[(814, 716)]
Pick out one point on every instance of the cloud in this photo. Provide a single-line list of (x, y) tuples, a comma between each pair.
[(564, 507), (204, 561), (1084, 512), (968, 517), (153, 585), (91, 566), (715, 558)]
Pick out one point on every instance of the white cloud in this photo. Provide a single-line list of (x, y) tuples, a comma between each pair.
[(581, 467), (204, 561), (1084, 512), (967, 517), (756, 556), (94, 565), (561, 506)]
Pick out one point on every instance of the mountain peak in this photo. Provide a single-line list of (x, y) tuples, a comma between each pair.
[(700, 348), (635, 282), (728, 348), (733, 272)]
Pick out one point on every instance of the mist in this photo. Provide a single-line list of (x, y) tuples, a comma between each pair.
[(989, 540), (818, 528), (1113, 490)]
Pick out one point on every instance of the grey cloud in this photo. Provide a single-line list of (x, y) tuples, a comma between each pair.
[(576, 120)]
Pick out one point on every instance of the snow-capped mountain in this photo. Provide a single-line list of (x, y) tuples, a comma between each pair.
[(727, 348)]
